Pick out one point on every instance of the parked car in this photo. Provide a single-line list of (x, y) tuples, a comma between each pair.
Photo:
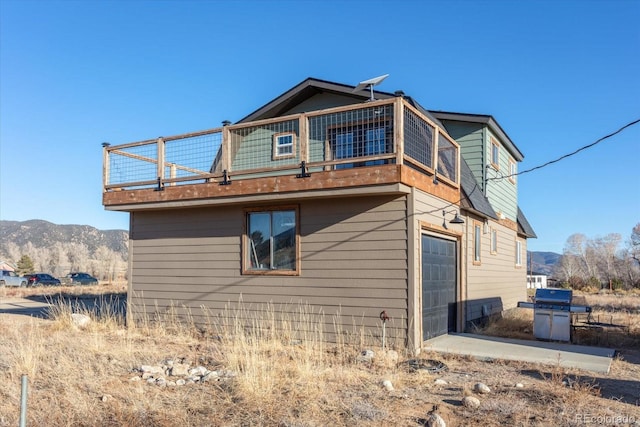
[(79, 279), (10, 278), (39, 279)]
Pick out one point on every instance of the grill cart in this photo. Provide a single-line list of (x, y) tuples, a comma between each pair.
[(552, 310)]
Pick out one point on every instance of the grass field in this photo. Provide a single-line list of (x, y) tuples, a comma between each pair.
[(92, 376)]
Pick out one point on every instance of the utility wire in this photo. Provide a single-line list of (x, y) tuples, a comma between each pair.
[(567, 155)]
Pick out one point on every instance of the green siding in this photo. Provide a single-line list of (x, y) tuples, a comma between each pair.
[(470, 138), (502, 193)]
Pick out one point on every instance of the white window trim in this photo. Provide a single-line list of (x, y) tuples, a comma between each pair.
[(276, 146)]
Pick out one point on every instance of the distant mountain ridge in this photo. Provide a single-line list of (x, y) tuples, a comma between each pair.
[(45, 234), (543, 262)]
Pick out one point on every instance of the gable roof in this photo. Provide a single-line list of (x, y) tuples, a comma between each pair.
[(484, 120), (523, 225), (311, 87)]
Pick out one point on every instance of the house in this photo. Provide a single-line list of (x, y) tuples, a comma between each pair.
[(360, 208), (536, 280)]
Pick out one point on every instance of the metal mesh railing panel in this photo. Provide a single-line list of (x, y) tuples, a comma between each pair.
[(252, 147), (191, 156), (418, 138), (351, 134), (133, 164), (447, 158)]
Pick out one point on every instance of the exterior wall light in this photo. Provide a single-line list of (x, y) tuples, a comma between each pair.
[(456, 219)]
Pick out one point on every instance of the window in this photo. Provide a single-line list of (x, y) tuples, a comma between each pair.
[(284, 145), (495, 154), (359, 141), (518, 253), (494, 241), (477, 241), (271, 241), (512, 171)]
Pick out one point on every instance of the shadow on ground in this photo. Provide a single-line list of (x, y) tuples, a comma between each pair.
[(41, 306)]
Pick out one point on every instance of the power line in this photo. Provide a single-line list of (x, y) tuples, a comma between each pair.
[(567, 155)]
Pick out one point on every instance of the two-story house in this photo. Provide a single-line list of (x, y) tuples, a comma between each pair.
[(325, 197)]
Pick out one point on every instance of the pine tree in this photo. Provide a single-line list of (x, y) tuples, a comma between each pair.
[(25, 265)]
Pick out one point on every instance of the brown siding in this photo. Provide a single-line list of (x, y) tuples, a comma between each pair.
[(353, 262), (496, 283)]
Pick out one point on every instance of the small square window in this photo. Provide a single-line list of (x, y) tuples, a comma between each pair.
[(284, 145)]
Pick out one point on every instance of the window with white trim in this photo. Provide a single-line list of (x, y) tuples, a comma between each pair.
[(477, 243), (495, 154), (512, 171), (284, 145), (271, 241), (494, 241), (518, 253)]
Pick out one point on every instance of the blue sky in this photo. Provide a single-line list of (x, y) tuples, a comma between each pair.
[(557, 75)]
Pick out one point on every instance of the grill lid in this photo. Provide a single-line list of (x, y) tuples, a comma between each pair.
[(553, 296)]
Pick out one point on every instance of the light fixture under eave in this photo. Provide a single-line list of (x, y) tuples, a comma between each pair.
[(456, 219)]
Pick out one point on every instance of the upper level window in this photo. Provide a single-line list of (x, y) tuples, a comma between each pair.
[(271, 242), (495, 154), (284, 145), (359, 141), (512, 171)]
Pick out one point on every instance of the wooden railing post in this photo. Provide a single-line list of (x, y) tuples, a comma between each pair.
[(105, 165), (303, 125), (398, 129), (225, 159), (160, 145)]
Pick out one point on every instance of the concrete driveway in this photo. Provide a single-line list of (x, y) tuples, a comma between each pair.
[(23, 306), (594, 359)]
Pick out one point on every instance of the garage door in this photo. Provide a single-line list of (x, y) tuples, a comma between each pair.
[(439, 284)]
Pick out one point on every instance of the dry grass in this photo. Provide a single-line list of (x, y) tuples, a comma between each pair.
[(285, 376)]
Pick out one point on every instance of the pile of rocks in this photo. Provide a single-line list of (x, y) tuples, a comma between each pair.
[(179, 372)]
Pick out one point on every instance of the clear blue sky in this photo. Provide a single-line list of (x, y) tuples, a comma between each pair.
[(556, 75)]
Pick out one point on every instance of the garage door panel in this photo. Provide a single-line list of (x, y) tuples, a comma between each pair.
[(439, 282)]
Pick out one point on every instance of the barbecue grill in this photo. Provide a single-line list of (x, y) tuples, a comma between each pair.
[(552, 310)]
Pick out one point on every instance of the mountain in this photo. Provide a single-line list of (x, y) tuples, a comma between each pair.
[(542, 262), (45, 234)]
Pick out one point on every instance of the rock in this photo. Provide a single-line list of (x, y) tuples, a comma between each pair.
[(440, 382), (152, 370), (365, 356), (481, 388), (210, 376), (151, 380), (387, 385), (136, 378), (171, 383), (179, 370), (471, 402), (519, 385), (199, 371), (435, 420), (181, 382), (80, 320), (106, 397)]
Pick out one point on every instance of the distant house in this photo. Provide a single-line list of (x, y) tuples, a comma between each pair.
[(324, 197), (6, 266), (536, 280)]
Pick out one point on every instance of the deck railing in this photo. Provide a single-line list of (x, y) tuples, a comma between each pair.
[(375, 133)]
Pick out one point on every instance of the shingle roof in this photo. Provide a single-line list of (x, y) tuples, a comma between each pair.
[(523, 225), (474, 195)]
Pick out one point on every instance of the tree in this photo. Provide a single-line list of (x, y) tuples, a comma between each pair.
[(25, 265), (635, 243)]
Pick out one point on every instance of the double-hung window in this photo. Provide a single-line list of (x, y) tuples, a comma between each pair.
[(284, 145), (358, 141), (271, 241)]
